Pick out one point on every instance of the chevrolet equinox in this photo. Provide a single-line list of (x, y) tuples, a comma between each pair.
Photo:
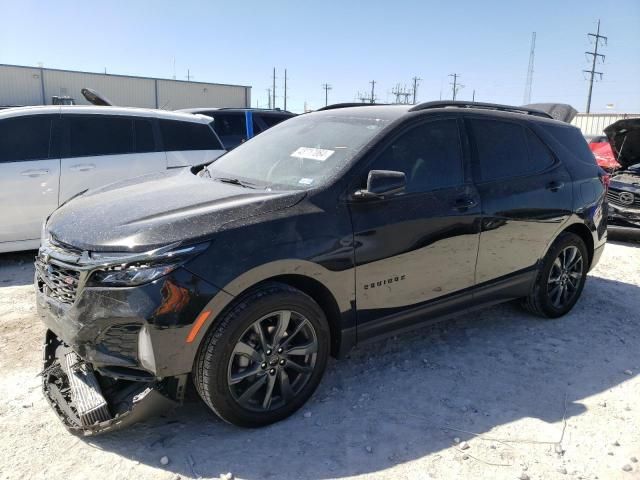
[(331, 228)]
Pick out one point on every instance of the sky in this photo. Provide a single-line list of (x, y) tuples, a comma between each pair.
[(343, 43)]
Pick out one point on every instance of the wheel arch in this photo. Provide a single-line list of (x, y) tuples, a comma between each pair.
[(581, 230), (333, 291)]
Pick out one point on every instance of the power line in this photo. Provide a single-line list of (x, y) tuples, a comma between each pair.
[(455, 86), (326, 87), (594, 56), (529, 83)]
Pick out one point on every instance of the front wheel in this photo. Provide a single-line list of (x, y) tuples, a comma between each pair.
[(560, 281), (264, 358)]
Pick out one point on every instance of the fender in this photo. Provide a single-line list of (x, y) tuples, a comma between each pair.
[(340, 284)]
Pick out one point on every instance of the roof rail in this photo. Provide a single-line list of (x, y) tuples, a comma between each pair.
[(348, 104), (481, 105), (279, 110)]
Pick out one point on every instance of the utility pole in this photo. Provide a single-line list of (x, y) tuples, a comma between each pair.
[(188, 75), (416, 82), (473, 98), (455, 86), (594, 56), (373, 87), (269, 97), (326, 87), (273, 92), (285, 88), (529, 83)]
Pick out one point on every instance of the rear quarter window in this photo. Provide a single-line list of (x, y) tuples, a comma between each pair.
[(177, 135), (571, 138)]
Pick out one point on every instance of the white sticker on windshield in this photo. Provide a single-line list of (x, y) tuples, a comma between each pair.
[(319, 154), (305, 181)]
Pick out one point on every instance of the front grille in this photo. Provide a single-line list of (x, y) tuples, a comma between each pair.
[(57, 281), (614, 198)]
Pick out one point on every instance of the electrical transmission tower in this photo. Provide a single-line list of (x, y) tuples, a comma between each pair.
[(402, 94), (592, 73), (529, 83), (371, 98), (326, 88), (455, 86)]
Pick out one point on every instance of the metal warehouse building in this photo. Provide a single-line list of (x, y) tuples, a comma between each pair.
[(36, 86)]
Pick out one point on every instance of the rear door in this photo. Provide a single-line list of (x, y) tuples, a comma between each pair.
[(29, 175), (189, 143), (525, 193), (102, 149)]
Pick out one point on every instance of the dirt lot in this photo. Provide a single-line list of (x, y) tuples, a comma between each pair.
[(531, 399)]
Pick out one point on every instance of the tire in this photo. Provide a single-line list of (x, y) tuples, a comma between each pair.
[(235, 357), (543, 299)]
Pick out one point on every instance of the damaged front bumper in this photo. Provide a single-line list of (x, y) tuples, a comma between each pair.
[(114, 355), (89, 403)]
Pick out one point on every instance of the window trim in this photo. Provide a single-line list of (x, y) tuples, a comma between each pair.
[(380, 147), (475, 156)]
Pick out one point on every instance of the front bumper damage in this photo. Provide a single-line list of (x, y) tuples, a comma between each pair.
[(89, 403), (114, 355)]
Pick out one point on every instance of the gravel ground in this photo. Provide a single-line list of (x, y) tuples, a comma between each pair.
[(502, 395)]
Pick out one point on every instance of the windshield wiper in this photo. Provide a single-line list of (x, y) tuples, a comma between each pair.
[(234, 181)]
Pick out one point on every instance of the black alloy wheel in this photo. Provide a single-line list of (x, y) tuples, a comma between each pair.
[(264, 357)]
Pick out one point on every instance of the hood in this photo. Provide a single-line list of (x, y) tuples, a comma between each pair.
[(559, 111), (155, 210), (624, 137)]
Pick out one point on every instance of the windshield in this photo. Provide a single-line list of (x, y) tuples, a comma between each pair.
[(301, 153)]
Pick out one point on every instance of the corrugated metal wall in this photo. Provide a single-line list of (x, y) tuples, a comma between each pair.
[(27, 85), (595, 123)]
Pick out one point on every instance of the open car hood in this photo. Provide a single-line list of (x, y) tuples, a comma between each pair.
[(624, 137), (559, 111)]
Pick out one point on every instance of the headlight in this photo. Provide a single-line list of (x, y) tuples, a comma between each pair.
[(129, 275), (141, 270)]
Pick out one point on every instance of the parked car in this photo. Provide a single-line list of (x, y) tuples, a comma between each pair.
[(624, 188), (49, 154), (237, 125), (337, 226), (599, 145)]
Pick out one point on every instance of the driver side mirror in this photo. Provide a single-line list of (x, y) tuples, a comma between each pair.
[(381, 183)]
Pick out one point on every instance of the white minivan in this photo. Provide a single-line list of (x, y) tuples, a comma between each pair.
[(48, 154)]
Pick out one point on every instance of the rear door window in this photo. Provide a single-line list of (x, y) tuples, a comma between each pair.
[(177, 135), (25, 138), (506, 149), (231, 127), (99, 135), (271, 120)]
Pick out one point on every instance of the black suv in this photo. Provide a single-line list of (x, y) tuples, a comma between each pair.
[(329, 229), (237, 125)]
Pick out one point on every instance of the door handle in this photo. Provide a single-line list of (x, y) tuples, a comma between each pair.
[(35, 173), (82, 167), (554, 186), (464, 203)]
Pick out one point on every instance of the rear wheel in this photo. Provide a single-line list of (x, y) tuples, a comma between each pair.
[(264, 358), (561, 279)]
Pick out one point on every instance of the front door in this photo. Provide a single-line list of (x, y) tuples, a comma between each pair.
[(418, 246), (29, 176)]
